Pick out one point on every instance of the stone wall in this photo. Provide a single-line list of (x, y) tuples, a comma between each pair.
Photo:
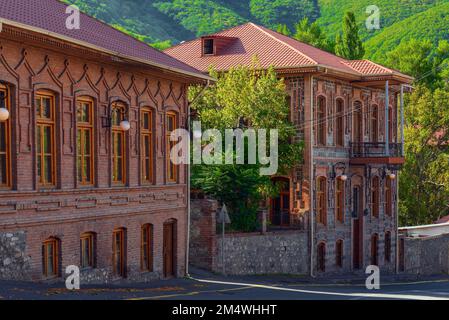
[(14, 264), (283, 252), (427, 256), (245, 253)]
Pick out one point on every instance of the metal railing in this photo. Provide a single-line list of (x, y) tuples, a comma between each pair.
[(375, 150)]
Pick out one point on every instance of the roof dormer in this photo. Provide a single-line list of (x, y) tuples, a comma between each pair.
[(215, 45)]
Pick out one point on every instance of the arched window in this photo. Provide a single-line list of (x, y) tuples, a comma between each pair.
[(50, 257), (321, 208), (375, 197), (45, 138), (374, 123), (387, 246), (340, 200), (171, 125), (340, 128), (388, 197), (118, 144), (358, 122), (321, 257), (146, 260), (5, 140), (88, 250), (374, 249), (339, 253), (119, 252), (321, 121), (147, 150), (85, 140)]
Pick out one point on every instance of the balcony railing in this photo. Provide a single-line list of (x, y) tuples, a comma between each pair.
[(375, 150)]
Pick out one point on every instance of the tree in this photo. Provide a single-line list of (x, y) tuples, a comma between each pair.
[(349, 45), (424, 180), (258, 97), (311, 33), (420, 59), (283, 29)]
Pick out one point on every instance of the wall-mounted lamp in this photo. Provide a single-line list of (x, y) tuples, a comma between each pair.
[(4, 113), (386, 173), (106, 121), (333, 174)]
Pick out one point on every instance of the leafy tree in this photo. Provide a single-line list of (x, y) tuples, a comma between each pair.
[(283, 29), (421, 60), (424, 180), (312, 34), (348, 45), (259, 98)]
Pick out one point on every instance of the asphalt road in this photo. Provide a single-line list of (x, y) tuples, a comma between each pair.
[(243, 288)]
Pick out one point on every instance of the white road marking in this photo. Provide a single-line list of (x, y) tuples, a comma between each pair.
[(353, 295)]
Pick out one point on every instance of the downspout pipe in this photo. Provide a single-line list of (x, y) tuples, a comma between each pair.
[(189, 116), (311, 182)]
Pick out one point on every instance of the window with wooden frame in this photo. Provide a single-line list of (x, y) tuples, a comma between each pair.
[(146, 249), (321, 208), (85, 140), (340, 200), (375, 197), (388, 197), (339, 253), (387, 248), (374, 249), (172, 169), (119, 252), (390, 124), (87, 250), (147, 150), (118, 144), (340, 127), (321, 257), (50, 257), (321, 121), (45, 138), (374, 123), (5, 140)]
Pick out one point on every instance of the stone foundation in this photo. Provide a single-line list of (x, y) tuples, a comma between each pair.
[(14, 264)]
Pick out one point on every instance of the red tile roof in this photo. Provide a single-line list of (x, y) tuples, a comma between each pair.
[(50, 15), (271, 49)]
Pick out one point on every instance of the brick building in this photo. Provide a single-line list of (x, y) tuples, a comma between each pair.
[(349, 115), (84, 171)]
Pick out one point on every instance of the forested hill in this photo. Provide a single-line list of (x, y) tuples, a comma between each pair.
[(172, 21)]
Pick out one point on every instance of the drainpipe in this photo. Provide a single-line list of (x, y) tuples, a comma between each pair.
[(402, 121), (387, 127), (189, 115), (311, 182)]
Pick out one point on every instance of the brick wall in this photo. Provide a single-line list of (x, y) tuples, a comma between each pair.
[(31, 62)]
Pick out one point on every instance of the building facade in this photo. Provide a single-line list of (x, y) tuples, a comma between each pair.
[(86, 178), (348, 113)]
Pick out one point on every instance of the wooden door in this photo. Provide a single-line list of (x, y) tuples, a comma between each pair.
[(357, 245), (169, 249), (280, 205)]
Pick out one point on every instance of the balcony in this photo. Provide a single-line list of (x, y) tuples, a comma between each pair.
[(376, 152)]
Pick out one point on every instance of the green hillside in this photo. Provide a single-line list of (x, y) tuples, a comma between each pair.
[(432, 24), (391, 11), (177, 20)]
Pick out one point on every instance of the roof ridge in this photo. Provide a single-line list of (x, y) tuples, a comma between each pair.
[(282, 42), (218, 33)]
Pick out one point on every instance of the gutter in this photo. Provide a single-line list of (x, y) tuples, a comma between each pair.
[(16, 24), (187, 257)]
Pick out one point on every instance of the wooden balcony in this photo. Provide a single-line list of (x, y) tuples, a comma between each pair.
[(376, 153)]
